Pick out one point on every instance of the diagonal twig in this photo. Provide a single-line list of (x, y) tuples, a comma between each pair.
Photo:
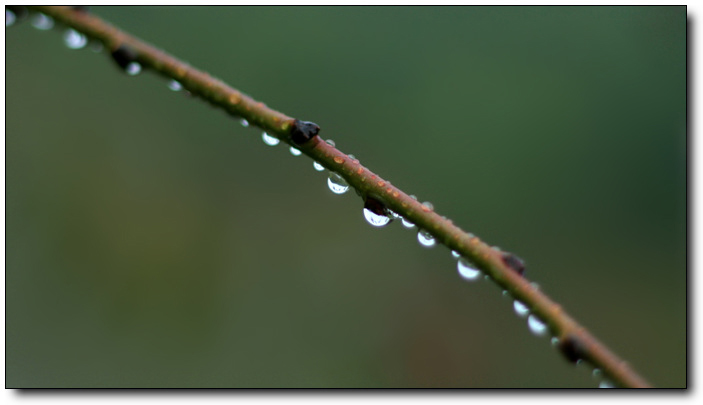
[(575, 342)]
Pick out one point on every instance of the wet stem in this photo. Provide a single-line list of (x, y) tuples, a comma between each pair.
[(382, 201)]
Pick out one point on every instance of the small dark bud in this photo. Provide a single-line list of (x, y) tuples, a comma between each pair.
[(572, 348), (303, 131), (123, 56), (82, 9), (514, 263)]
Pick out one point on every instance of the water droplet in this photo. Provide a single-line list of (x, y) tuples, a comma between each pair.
[(413, 197), (455, 254), (555, 341), (337, 183), (133, 68), (425, 238), (330, 143), (352, 157), (318, 166), (537, 327), (375, 219), (467, 271), (393, 214), (407, 223), (42, 22), (520, 309), (427, 206), (506, 293), (596, 373), (74, 39), (269, 140), (606, 384), (10, 18), (244, 122), (295, 152), (175, 85)]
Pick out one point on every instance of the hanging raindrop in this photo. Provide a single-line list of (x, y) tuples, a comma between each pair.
[(520, 309), (74, 39), (375, 219), (244, 122), (555, 341), (606, 384), (455, 254), (425, 238), (42, 22), (330, 143), (10, 18), (295, 152), (537, 327), (467, 270), (407, 223), (270, 140), (133, 68), (337, 184), (175, 85), (318, 166)]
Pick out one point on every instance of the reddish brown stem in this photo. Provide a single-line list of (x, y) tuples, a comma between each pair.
[(502, 268)]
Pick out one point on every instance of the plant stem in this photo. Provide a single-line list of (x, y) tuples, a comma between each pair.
[(575, 341)]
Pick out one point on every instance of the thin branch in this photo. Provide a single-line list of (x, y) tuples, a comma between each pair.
[(505, 269)]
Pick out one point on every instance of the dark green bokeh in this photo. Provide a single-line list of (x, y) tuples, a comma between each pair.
[(154, 242)]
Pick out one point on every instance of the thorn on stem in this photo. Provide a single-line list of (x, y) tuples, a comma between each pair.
[(572, 348), (303, 131), (123, 55), (514, 263)]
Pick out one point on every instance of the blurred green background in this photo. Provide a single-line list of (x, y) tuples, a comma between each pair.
[(154, 242)]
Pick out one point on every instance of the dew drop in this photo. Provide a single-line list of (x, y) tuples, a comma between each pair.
[(407, 223), (467, 271), (295, 152), (269, 140), (596, 373), (352, 157), (427, 206), (337, 184), (318, 166), (555, 341), (537, 327), (455, 254), (520, 309), (413, 197), (425, 238), (606, 384), (10, 18), (375, 219), (330, 143), (175, 85), (74, 39), (133, 68), (42, 22), (244, 122)]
